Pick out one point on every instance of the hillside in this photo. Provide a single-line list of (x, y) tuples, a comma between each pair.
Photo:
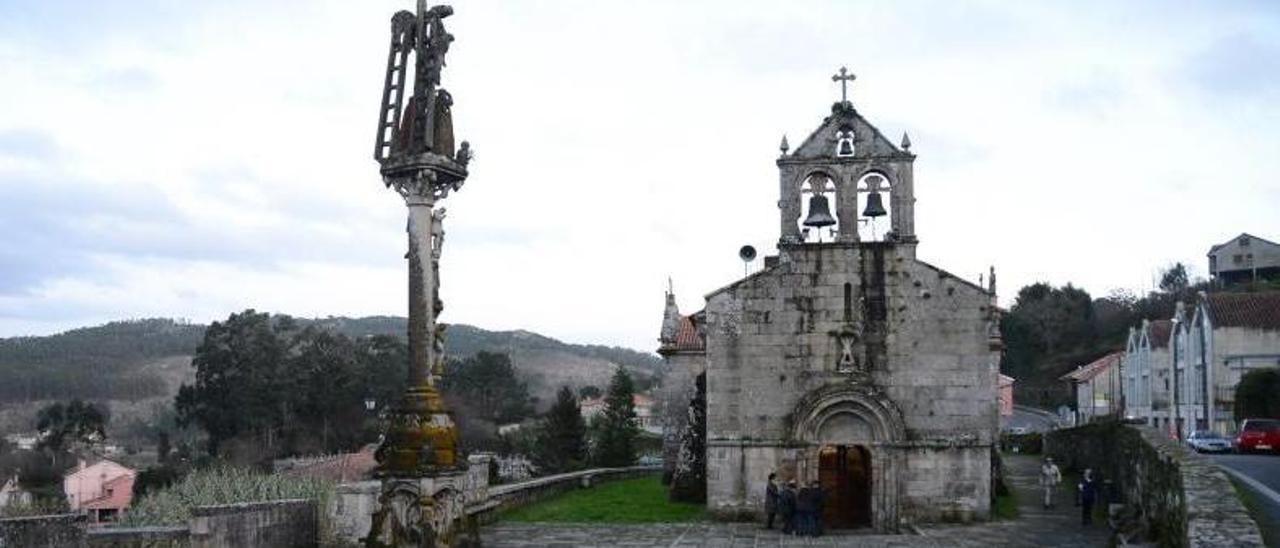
[(136, 365)]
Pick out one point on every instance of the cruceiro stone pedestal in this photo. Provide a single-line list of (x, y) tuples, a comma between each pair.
[(425, 487)]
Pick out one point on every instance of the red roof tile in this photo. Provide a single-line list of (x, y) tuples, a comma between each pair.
[(1098, 367), (687, 337), (1256, 310)]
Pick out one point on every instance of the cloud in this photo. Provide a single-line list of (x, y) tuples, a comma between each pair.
[(1239, 66), (197, 159)]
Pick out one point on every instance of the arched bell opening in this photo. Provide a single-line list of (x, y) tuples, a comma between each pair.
[(846, 146), (817, 221), (875, 216)]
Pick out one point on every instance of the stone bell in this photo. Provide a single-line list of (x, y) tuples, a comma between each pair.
[(875, 208), (819, 212)]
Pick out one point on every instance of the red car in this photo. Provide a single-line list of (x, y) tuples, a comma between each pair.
[(1258, 435)]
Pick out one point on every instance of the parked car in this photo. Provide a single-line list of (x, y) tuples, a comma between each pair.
[(1258, 435), (1205, 441)]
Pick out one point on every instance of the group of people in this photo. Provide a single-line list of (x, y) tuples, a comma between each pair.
[(1086, 490), (800, 510)]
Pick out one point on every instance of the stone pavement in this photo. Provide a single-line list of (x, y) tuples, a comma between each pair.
[(1034, 527)]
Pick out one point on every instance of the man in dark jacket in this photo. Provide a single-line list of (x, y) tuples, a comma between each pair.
[(771, 500), (805, 505), (819, 503), (1088, 495), (787, 507)]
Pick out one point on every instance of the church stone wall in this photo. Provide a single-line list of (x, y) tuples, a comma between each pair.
[(771, 340), (678, 387)]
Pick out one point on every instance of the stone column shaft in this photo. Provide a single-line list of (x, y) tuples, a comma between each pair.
[(422, 289)]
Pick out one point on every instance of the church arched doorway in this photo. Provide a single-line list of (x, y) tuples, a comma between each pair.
[(844, 472)]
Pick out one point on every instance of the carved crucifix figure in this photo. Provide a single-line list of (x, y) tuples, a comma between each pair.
[(847, 337)]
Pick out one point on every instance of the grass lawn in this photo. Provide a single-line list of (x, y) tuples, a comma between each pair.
[(1006, 506), (638, 500)]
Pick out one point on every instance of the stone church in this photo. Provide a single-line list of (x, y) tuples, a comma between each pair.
[(845, 359)]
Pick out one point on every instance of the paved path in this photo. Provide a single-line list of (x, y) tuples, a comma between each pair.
[(1034, 527)]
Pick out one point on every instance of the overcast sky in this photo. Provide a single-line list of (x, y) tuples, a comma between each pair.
[(192, 159)]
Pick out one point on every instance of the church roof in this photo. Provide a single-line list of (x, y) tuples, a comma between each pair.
[(1093, 369), (687, 338), (1255, 310)]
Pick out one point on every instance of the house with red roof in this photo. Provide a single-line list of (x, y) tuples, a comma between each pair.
[(102, 490), (1096, 386)]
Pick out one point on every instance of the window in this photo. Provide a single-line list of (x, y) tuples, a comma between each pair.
[(1244, 241), (1237, 258)]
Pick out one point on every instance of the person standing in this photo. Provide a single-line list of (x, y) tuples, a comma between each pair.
[(787, 508), (771, 500), (819, 501), (1088, 495), (804, 511), (1050, 477)]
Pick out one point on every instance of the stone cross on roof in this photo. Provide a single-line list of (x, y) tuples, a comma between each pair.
[(844, 78)]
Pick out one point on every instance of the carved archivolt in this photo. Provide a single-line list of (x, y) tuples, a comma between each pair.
[(883, 418)]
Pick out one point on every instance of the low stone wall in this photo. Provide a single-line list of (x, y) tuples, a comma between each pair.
[(41, 531), (138, 537), (1181, 499), (272, 523), (354, 503), (292, 522)]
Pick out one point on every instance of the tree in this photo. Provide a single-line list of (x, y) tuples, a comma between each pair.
[(1258, 395), (329, 394), (238, 388), (689, 482), (61, 425), (563, 445), (589, 392), (1174, 279), (488, 383), (616, 445)]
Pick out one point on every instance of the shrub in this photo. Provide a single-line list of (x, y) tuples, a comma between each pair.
[(222, 485)]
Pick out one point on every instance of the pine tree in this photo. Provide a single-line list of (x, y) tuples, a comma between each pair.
[(618, 430), (563, 445), (689, 482)]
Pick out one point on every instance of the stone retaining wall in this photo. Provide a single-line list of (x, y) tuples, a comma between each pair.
[(272, 523), (1180, 497), (291, 522), (41, 531), (139, 537)]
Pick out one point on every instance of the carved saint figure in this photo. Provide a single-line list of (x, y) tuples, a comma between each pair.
[(442, 141)]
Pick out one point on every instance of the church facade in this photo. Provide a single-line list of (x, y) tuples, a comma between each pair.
[(845, 359)]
